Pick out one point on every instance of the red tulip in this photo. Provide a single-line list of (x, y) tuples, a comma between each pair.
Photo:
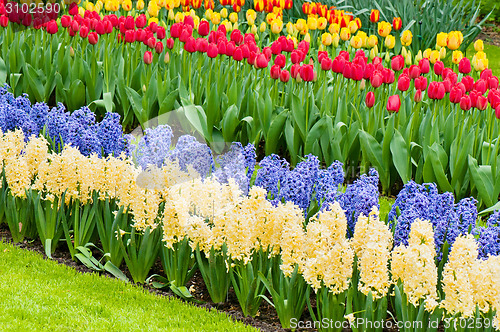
[(338, 65), (473, 98), (161, 33), (377, 79), (73, 8), (370, 99), (436, 90), (497, 112), (397, 63), (388, 76), (394, 103), (493, 83), (176, 30), (284, 76), (246, 52), (465, 103), (52, 27), (481, 103), (84, 31), (129, 36), (486, 73), (151, 42), (169, 43), (494, 98), (421, 83), (4, 21), (438, 68), (74, 26), (464, 66), (129, 23), (481, 86), (237, 37), (468, 82), (295, 56), (148, 57), (414, 71), (190, 45), (65, 21), (326, 63), (221, 47), (141, 21), (251, 58), (212, 51), (238, 54), (201, 45), (424, 65), (447, 85), (261, 61), (93, 38), (203, 28), (397, 23), (230, 48), (403, 83), (276, 48), (280, 61), (275, 72), (268, 52), (159, 47), (418, 96), (369, 69), (294, 71), (188, 20), (307, 73), (456, 95)]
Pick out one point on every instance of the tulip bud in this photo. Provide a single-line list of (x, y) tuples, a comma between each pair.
[(418, 96), (362, 85), (262, 27), (442, 53), (370, 99), (148, 57), (373, 52), (394, 103), (419, 56), (166, 59), (144, 88), (408, 58), (71, 51)]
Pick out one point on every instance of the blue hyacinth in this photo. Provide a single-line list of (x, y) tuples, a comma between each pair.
[(233, 165), (488, 238), (189, 152), (154, 147)]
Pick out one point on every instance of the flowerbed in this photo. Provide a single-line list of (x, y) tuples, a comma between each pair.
[(340, 88)]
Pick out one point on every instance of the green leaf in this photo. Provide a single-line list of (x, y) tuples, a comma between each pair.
[(401, 156), (3, 72), (483, 180), (275, 131)]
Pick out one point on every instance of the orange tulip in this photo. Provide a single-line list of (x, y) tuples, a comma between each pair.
[(258, 5), (374, 16), (209, 4), (397, 23)]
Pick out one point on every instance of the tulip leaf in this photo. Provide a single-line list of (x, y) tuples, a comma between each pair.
[(196, 116), (401, 156), (3, 72), (275, 131), (439, 168), (483, 180), (298, 111), (373, 151), (230, 122)]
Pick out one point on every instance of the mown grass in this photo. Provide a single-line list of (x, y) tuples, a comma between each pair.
[(493, 54), (42, 295)]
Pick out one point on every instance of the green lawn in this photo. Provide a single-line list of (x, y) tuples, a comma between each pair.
[(493, 54), (42, 295)]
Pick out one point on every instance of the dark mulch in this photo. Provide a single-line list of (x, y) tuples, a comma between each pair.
[(491, 34)]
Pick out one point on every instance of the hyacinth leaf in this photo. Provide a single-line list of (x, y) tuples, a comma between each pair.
[(491, 209)]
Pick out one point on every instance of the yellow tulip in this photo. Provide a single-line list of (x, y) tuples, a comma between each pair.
[(442, 39), (208, 14), (418, 57), (480, 55), (290, 28), (406, 38), (456, 57), (390, 42), (253, 29), (228, 25), (270, 18), (408, 58), (334, 28), (262, 27), (215, 18), (479, 64), (127, 5), (442, 53), (326, 39), (479, 45), (356, 42), (345, 34), (322, 22), (179, 17), (335, 39), (427, 53), (153, 19), (250, 21), (276, 26), (353, 27), (454, 40), (384, 28), (223, 13), (301, 24), (250, 14), (307, 37), (372, 41), (140, 5), (153, 9), (312, 23), (233, 17), (373, 52), (434, 56), (89, 6), (403, 51)]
